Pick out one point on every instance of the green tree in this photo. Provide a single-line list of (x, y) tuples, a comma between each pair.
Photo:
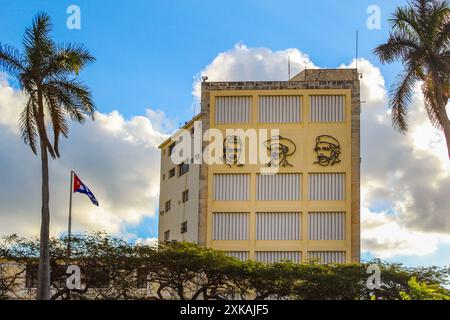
[(422, 291), (112, 268), (47, 74), (420, 39)]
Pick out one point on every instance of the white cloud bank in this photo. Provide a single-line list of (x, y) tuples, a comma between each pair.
[(405, 178), (253, 64), (116, 157)]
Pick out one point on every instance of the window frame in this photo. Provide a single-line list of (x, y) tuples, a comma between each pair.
[(167, 235), (185, 196), (184, 226), (181, 172), (167, 205)]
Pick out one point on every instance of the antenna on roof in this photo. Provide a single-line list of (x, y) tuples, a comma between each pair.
[(356, 49), (289, 68)]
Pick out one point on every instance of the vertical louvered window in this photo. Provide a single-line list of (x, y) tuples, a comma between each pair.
[(280, 109), (327, 108), (231, 187), (281, 186), (240, 255), (230, 225), (326, 225), (278, 226), (326, 186), (327, 257), (277, 256), (232, 109)]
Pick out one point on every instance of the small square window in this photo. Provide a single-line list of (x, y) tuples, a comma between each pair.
[(185, 196), (164, 176), (171, 147), (167, 235), (167, 207), (182, 169), (184, 227)]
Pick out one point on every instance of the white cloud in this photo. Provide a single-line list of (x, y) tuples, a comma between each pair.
[(405, 178), (373, 90), (147, 241), (160, 122), (12, 101), (116, 157), (385, 236), (247, 64)]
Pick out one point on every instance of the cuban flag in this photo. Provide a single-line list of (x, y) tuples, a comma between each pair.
[(80, 187)]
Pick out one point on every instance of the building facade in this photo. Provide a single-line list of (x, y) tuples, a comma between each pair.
[(309, 208)]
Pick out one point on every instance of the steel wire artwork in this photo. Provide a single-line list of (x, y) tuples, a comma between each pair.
[(232, 150), (280, 149), (327, 150)]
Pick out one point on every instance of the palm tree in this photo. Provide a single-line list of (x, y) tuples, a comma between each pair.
[(420, 39), (46, 74)]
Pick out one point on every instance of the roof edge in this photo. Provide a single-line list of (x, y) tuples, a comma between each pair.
[(187, 124)]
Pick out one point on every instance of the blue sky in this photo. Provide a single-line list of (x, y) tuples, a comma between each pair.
[(149, 53)]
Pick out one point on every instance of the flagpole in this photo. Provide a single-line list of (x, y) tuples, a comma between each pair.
[(69, 234)]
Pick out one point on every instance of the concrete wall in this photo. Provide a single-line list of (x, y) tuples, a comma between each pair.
[(172, 189)]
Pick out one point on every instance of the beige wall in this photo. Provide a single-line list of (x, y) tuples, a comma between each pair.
[(310, 81), (172, 189)]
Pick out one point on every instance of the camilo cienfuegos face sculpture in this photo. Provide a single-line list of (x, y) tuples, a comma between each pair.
[(280, 149), (327, 150)]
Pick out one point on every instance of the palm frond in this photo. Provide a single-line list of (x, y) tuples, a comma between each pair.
[(437, 18), (58, 121), (11, 60), (74, 57), (37, 42), (404, 21), (400, 97), (398, 46), (28, 126), (430, 104), (75, 98), (442, 42)]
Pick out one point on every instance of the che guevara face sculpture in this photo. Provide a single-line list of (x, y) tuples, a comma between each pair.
[(327, 150)]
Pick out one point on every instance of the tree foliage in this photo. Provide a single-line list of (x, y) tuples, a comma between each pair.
[(116, 269)]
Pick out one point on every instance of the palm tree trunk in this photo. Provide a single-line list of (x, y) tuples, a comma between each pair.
[(44, 256), (442, 112), (446, 127)]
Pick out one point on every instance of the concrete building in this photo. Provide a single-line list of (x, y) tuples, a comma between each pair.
[(309, 209)]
